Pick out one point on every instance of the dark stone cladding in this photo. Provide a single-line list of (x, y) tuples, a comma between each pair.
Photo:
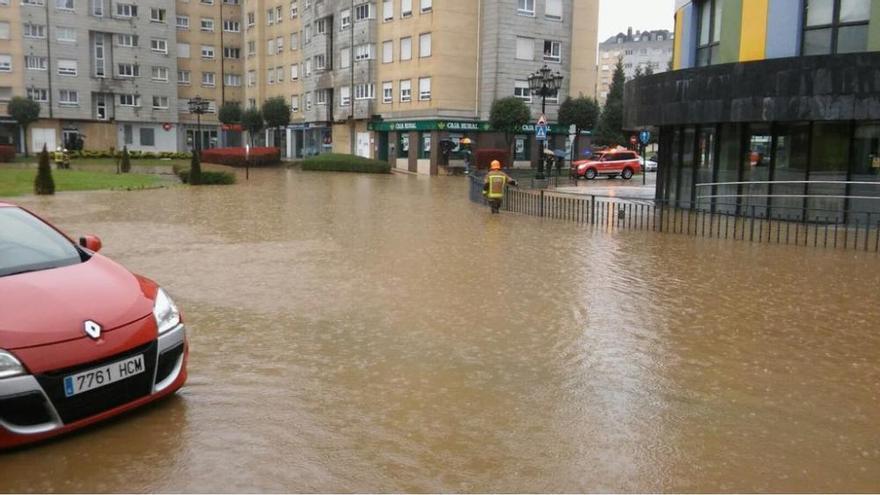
[(815, 88)]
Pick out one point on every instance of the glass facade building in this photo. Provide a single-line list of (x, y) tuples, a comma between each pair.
[(773, 109)]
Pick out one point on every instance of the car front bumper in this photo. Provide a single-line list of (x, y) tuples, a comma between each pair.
[(34, 407)]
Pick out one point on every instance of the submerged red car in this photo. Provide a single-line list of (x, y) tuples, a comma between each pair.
[(609, 163), (82, 339)]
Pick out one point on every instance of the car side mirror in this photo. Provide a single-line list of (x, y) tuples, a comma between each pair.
[(91, 242)]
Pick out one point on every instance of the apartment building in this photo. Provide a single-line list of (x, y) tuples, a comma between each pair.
[(383, 78), (100, 69), (210, 65), (642, 51)]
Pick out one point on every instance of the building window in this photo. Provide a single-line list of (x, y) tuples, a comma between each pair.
[(160, 102), (294, 72), (387, 92), (308, 68), (344, 96), (405, 48), (148, 134), (321, 26), (345, 19), (552, 51), (159, 46), (345, 58), (321, 96), (62, 34), (294, 103), (387, 10), (425, 45), (99, 59), (67, 67), (183, 77), (252, 78), (232, 80), (207, 51), (526, 7), (182, 22), (128, 100), (6, 63), (33, 62), (157, 15), (160, 74), (183, 50), (126, 10), (34, 30), (207, 24), (40, 95), (294, 11), (521, 91), (426, 6), (251, 19), (363, 11), (405, 9), (364, 92), (709, 32), (363, 52), (126, 40), (231, 52), (270, 75), (34, 3), (232, 26), (424, 88), (405, 90), (208, 79), (836, 26), (387, 52), (553, 10), (68, 97), (320, 62), (525, 48), (98, 8), (64, 4), (128, 70)]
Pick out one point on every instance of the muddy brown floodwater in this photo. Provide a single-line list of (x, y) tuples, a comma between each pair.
[(382, 333)]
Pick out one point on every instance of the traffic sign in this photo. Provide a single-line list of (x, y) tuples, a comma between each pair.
[(543, 120), (644, 137), (541, 132)]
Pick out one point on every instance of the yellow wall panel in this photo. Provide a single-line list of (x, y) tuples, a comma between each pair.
[(754, 30), (679, 34)]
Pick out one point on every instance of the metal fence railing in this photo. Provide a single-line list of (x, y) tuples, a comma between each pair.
[(861, 231)]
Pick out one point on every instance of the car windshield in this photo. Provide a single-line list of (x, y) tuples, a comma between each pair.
[(28, 244)]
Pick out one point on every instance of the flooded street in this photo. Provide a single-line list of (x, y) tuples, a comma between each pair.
[(357, 333)]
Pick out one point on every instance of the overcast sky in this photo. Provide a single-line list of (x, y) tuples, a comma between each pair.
[(616, 15)]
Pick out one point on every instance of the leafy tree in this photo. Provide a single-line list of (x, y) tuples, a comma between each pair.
[(252, 121), (649, 71), (125, 166), (638, 73), (195, 168), (230, 113), (276, 112), (611, 122), (25, 111), (44, 183), (581, 112), (509, 115)]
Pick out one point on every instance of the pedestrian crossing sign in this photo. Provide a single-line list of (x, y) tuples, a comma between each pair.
[(541, 132)]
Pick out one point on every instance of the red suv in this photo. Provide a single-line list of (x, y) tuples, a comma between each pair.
[(610, 163)]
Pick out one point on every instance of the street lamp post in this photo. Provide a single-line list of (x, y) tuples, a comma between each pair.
[(198, 106), (544, 83)]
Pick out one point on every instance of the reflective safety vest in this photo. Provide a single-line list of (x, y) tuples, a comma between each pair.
[(496, 181)]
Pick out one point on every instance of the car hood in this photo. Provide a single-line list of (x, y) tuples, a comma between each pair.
[(51, 306)]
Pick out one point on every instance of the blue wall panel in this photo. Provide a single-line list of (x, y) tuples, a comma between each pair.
[(784, 21)]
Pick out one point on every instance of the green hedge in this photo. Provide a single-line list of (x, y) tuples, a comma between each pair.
[(209, 177), (133, 154), (345, 163)]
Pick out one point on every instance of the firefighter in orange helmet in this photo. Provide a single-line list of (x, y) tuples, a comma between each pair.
[(495, 184)]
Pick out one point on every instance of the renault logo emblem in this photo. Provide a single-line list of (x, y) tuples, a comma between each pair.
[(92, 329)]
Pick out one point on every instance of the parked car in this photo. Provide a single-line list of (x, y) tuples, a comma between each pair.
[(82, 339), (609, 163), (650, 166)]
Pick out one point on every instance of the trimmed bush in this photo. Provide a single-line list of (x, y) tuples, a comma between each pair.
[(7, 153), (332, 162), (80, 154), (43, 182), (208, 177), (484, 157), (235, 157)]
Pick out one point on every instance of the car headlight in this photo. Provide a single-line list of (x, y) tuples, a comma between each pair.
[(9, 366), (166, 313)]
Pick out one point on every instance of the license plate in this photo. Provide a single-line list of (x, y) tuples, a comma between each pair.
[(104, 375)]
